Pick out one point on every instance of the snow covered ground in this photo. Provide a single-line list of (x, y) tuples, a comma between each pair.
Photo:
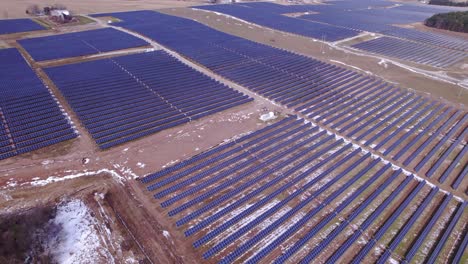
[(76, 240)]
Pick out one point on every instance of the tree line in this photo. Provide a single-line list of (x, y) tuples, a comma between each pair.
[(447, 3), (454, 21)]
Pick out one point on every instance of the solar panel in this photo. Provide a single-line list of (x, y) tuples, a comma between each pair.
[(79, 44), (30, 117), (128, 97)]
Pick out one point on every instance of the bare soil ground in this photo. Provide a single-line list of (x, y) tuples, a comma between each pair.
[(17, 8), (119, 215)]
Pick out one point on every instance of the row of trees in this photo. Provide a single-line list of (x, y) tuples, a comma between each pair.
[(448, 3), (454, 21)]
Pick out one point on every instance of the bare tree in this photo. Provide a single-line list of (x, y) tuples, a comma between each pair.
[(33, 10), (59, 7)]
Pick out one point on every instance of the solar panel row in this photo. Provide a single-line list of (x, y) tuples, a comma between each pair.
[(9, 26), (298, 181), (382, 20), (30, 118), (344, 19), (79, 44), (369, 110), (127, 97), (412, 51), (284, 23)]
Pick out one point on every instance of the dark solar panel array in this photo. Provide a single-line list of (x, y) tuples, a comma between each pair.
[(339, 20), (272, 196), (390, 120), (382, 21), (30, 117), (284, 23), (412, 51), (79, 44), (9, 26), (128, 97)]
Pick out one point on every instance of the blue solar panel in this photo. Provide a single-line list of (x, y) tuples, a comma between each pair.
[(128, 97), (260, 16), (342, 99), (9, 26), (30, 118), (227, 197), (281, 186), (79, 44), (411, 51)]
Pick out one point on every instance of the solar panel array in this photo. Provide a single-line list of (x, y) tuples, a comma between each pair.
[(391, 120), (343, 19), (412, 51), (9, 26), (30, 117), (293, 192), (284, 23), (79, 44), (128, 97), (382, 21)]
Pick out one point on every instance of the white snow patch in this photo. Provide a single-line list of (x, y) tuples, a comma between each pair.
[(267, 117), (126, 172), (166, 234), (5, 196), (47, 162), (172, 162), (11, 183), (354, 67), (141, 165), (77, 240), (383, 63), (53, 179)]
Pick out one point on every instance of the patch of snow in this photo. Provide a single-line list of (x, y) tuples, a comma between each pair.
[(268, 117), (141, 165), (5, 196), (47, 162), (172, 162), (77, 240), (383, 63), (126, 171), (228, 16), (166, 234), (131, 260), (53, 179), (11, 183), (354, 67)]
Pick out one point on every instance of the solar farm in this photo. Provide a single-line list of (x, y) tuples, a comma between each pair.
[(139, 99), (251, 132), (31, 116), (79, 44), (343, 19)]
